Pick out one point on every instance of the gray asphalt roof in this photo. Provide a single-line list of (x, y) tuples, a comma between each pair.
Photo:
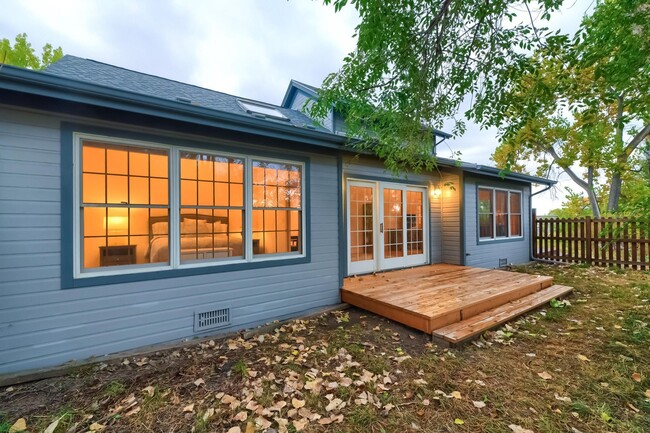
[(103, 74)]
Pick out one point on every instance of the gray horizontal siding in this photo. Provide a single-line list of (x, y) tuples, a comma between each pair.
[(451, 219), (43, 325), (302, 102), (486, 254)]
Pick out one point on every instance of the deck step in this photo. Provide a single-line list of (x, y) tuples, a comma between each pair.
[(475, 325)]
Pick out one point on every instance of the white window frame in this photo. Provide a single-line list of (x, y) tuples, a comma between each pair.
[(494, 236), (174, 209)]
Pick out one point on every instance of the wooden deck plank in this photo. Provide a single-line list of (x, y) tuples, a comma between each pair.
[(435, 296), (479, 323)]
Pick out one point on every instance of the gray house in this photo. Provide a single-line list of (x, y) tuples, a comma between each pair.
[(137, 210)]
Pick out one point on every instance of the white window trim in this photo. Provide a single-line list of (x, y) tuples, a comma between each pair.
[(494, 213), (174, 210)]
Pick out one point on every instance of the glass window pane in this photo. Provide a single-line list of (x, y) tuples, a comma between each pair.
[(236, 194), (159, 164), (484, 200), (205, 165), (117, 160), (94, 188), (501, 199), (237, 170), (139, 190), (188, 192), (501, 225), (138, 163), (515, 202), (206, 194), (188, 165), (117, 188), (94, 158), (221, 194), (515, 225), (485, 225), (94, 221), (159, 191)]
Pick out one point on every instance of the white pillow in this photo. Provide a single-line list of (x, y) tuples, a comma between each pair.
[(159, 228)]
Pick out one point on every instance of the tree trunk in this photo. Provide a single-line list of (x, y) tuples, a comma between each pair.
[(588, 186), (621, 160)]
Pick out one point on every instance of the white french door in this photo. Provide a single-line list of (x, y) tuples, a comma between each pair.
[(387, 226)]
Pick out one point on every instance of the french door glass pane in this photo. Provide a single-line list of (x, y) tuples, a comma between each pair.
[(393, 223), (361, 223), (414, 223)]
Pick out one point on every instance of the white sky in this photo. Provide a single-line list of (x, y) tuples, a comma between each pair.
[(249, 48)]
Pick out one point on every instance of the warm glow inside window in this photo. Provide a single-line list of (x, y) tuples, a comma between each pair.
[(123, 191), (277, 207), (499, 213), (211, 207), (135, 211)]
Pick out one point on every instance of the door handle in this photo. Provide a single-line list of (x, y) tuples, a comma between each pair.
[(381, 227)]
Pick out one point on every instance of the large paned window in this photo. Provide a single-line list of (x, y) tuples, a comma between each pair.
[(123, 190), (499, 213), (144, 206), (277, 208)]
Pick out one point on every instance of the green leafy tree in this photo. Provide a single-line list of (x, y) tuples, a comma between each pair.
[(23, 55), (575, 205), (416, 61), (580, 98)]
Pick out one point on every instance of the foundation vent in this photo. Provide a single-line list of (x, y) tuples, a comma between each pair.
[(211, 318), (503, 263)]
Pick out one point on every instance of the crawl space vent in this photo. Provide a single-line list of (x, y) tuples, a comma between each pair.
[(212, 318), (503, 263)]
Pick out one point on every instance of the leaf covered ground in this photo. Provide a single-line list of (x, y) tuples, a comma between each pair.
[(576, 366)]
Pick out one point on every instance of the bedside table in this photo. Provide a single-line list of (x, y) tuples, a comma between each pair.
[(117, 255)]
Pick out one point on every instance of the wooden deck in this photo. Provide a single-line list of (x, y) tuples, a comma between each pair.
[(431, 298)]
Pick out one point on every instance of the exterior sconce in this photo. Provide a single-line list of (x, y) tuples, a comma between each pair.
[(436, 192)]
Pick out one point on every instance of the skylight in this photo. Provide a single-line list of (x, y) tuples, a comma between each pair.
[(265, 110)]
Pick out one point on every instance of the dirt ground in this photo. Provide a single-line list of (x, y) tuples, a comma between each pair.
[(577, 366)]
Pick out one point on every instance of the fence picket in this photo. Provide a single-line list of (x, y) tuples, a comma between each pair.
[(597, 241)]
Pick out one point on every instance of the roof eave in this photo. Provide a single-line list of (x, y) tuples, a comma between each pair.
[(32, 82)]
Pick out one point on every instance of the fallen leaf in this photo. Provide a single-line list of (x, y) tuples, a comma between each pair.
[(563, 399), (459, 421), (426, 402), (235, 429), (96, 427), (478, 404), (199, 382), (605, 417), (208, 413), (297, 403), (636, 377), (519, 429), (150, 390), (420, 382), (456, 395), (633, 408), (262, 422), (241, 416), (583, 358), (18, 426), (189, 408), (300, 424), (544, 375), (250, 427), (50, 428), (647, 393)]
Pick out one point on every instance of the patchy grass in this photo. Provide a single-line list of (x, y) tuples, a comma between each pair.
[(354, 372)]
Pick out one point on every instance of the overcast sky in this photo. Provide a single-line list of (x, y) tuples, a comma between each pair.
[(249, 48)]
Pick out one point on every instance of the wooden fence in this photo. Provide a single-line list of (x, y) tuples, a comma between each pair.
[(597, 241)]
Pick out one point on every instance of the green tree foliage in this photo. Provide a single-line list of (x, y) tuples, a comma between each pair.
[(579, 100), (575, 205), (23, 55), (416, 61)]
